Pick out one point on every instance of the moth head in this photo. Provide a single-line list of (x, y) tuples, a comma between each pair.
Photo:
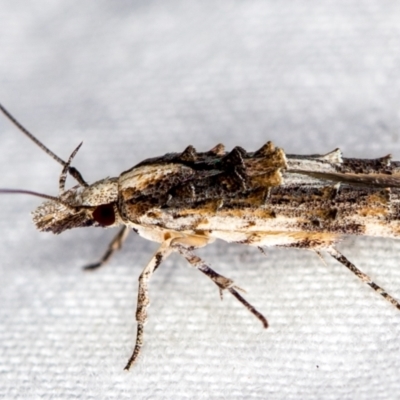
[(94, 205), (82, 205)]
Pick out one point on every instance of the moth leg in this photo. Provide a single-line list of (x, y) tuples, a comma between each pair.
[(221, 281), (318, 253), (262, 251), (143, 297), (365, 278), (115, 245)]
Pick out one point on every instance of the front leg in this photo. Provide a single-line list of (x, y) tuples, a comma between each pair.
[(143, 297), (115, 245)]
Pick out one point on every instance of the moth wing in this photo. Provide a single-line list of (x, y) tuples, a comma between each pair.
[(368, 180)]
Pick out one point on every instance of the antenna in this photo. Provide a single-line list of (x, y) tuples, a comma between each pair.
[(44, 196), (72, 171)]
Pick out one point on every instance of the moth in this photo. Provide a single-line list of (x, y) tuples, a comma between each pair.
[(263, 198)]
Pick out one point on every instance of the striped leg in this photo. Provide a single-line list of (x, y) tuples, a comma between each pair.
[(365, 278), (115, 245), (222, 282), (143, 297)]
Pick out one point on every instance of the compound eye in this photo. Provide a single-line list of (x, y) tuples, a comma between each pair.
[(104, 214)]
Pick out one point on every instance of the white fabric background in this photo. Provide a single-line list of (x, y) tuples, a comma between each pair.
[(137, 79)]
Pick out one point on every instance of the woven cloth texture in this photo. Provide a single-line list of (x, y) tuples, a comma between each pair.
[(137, 79)]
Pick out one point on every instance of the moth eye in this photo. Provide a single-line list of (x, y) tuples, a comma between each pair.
[(104, 214)]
